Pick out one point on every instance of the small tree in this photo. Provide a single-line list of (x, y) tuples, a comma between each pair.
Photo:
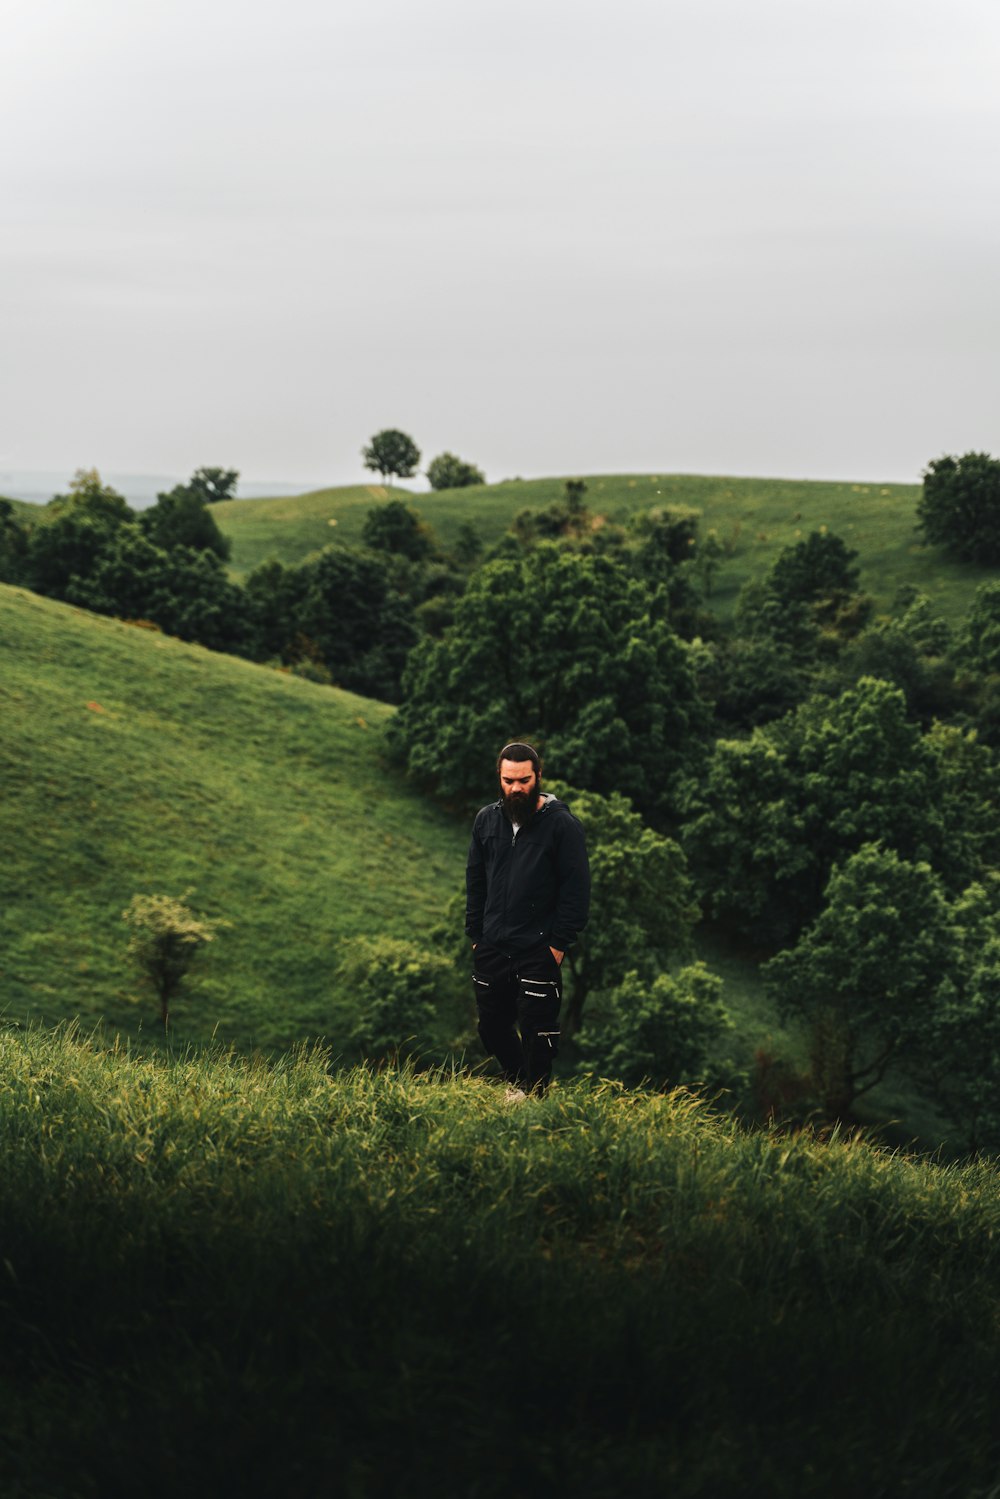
[(960, 506), (391, 452), (448, 472), (868, 974), (214, 484), (166, 938)]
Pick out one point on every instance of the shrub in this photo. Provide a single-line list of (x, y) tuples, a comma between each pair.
[(660, 1031), (392, 993)]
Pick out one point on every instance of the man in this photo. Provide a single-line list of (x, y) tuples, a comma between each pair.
[(528, 893)]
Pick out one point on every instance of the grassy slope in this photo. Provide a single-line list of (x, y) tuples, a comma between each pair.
[(285, 1282), (130, 762), (754, 518)]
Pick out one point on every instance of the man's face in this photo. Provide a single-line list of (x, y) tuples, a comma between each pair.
[(519, 788)]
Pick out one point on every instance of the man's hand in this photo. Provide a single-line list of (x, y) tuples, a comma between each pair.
[(557, 954)]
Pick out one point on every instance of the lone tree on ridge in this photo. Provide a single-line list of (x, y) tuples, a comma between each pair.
[(391, 453)]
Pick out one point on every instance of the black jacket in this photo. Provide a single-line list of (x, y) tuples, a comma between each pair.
[(531, 888)]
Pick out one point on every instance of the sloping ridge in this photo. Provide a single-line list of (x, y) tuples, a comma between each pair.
[(132, 762)]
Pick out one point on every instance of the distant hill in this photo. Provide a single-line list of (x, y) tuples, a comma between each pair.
[(131, 762), (754, 520), (36, 487)]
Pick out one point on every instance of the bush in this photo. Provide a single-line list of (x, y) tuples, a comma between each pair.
[(393, 993), (660, 1031)]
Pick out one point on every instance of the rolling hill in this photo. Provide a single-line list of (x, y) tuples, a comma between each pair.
[(133, 763), (754, 520)]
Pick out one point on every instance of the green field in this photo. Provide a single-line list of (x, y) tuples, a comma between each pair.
[(225, 1278), (131, 762), (754, 519)]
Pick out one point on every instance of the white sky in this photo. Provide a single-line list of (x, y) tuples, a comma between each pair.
[(559, 236)]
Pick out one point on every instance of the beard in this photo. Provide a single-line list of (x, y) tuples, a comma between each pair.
[(519, 806)]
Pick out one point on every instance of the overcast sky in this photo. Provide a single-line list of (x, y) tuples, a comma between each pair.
[(552, 236)]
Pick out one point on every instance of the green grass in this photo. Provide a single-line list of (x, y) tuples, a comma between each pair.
[(235, 1278), (754, 518), (131, 762), (290, 529)]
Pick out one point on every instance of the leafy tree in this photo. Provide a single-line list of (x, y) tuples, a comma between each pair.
[(274, 593), (166, 938), (13, 545), (77, 529), (770, 816), (568, 651), (808, 600), (957, 1062), (448, 472), (642, 898), (662, 1031), (180, 518), (391, 452), (978, 643), (818, 568), (361, 626), (398, 528), (959, 507), (90, 498), (212, 485), (394, 991), (868, 973)]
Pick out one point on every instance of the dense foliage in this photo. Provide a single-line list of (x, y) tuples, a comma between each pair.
[(448, 472), (569, 651), (960, 506)]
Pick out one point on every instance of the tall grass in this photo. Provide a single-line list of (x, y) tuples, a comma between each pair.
[(285, 1280)]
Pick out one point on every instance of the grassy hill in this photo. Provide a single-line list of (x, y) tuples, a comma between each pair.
[(754, 519), (284, 1282), (130, 762)]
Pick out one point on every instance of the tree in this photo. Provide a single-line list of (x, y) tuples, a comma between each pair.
[(74, 532), (180, 518), (661, 1032), (213, 485), (957, 1062), (391, 452), (363, 629), (641, 896), (567, 651), (185, 592), (978, 642), (13, 545), (397, 528), (448, 472), (166, 938), (959, 507), (769, 816), (867, 975)]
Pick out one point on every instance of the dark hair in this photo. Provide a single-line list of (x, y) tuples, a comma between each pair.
[(518, 751)]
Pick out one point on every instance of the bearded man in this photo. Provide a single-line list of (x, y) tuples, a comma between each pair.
[(528, 894)]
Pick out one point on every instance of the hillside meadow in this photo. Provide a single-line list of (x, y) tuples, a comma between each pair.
[(753, 518), (133, 763), (235, 1277)]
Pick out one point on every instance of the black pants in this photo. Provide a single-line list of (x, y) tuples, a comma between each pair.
[(519, 993)]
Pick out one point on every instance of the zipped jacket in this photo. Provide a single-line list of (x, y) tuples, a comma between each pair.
[(527, 887)]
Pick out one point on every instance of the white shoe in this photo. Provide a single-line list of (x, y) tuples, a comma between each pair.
[(515, 1095)]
